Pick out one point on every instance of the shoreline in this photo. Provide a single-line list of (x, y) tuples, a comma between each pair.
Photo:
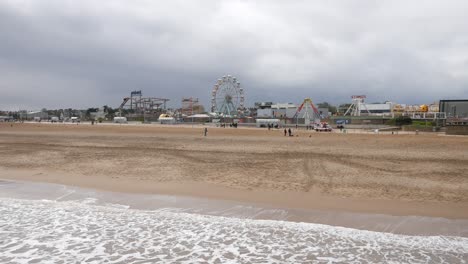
[(286, 199), (375, 222)]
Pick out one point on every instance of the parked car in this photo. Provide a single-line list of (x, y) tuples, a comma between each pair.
[(322, 127), (340, 124)]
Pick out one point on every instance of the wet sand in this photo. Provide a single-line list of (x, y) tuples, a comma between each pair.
[(406, 225), (423, 175)]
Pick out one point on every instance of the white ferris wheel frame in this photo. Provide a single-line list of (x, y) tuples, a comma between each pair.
[(221, 87)]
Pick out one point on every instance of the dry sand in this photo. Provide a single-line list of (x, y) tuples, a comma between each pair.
[(423, 175)]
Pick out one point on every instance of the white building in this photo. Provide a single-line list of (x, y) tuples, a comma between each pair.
[(277, 110), (264, 109), (265, 113), (34, 115), (5, 118), (284, 110), (376, 108)]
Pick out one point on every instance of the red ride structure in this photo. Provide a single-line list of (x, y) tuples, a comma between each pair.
[(307, 105)]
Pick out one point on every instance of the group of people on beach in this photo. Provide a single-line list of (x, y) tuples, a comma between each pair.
[(288, 132), (233, 124)]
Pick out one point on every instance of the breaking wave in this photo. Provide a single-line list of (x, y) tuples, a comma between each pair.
[(44, 231)]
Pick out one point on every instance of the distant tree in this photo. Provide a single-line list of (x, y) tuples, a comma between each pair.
[(89, 111), (331, 108), (323, 105), (342, 108), (403, 120), (400, 121), (92, 109), (110, 112)]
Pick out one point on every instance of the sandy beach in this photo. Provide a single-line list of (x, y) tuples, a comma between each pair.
[(424, 175)]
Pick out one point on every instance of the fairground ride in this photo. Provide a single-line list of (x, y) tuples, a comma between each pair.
[(140, 104), (308, 112), (227, 97), (357, 106)]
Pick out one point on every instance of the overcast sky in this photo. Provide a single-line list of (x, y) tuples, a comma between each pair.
[(64, 53)]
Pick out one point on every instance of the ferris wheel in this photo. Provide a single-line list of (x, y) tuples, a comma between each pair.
[(227, 97)]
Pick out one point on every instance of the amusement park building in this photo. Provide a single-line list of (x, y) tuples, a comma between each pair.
[(376, 108), (33, 114), (454, 108), (283, 110), (456, 111), (277, 110), (264, 109)]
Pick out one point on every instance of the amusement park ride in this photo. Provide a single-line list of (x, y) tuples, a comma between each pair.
[(356, 105), (310, 112), (227, 101), (227, 97), (140, 104), (359, 108)]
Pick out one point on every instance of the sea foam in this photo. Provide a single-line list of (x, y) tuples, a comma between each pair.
[(45, 231)]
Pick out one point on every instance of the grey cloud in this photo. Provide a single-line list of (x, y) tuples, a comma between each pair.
[(91, 53)]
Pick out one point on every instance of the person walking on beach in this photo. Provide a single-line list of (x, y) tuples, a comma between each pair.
[(285, 132), (289, 132), (205, 131)]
